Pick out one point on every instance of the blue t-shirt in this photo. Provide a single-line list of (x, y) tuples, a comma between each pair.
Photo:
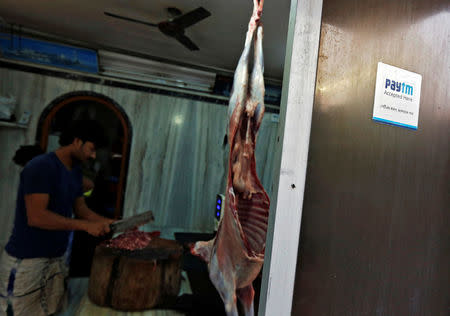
[(44, 174)]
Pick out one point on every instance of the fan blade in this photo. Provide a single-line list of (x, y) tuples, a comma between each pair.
[(183, 39), (128, 19), (192, 17)]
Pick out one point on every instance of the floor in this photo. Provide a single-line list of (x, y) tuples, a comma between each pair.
[(80, 305)]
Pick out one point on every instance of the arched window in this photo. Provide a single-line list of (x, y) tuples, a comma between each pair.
[(109, 170)]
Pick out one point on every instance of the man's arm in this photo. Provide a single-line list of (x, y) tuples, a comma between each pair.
[(84, 212), (39, 216)]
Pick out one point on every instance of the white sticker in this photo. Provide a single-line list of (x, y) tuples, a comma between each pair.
[(397, 97)]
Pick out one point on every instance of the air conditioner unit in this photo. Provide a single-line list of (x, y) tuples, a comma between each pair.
[(146, 70)]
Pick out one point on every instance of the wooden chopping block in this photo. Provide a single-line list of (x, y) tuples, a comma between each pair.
[(136, 280)]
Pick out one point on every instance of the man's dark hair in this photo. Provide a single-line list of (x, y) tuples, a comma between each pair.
[(86, 130)]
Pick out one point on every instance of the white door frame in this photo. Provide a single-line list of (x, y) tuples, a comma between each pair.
[(291, 158)]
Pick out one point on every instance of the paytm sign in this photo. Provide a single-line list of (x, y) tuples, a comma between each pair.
[(399, 86), (397, 96)]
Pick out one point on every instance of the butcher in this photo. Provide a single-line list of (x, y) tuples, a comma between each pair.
[(32, 269), (235, 256)]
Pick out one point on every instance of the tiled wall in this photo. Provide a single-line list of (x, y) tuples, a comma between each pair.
[(177, 163)]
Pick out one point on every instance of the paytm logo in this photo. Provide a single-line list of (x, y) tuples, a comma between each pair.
[(399, 87)]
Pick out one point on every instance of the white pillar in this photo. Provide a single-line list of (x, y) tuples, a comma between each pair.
[(291, 158)]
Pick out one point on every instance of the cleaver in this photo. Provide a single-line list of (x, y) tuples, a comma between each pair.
[(131, 222)]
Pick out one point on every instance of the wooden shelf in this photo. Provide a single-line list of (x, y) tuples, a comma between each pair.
[(12, 125)]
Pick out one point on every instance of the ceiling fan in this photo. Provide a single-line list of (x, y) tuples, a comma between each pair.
[(175, 27)]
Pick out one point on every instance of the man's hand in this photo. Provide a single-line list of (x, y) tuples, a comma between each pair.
[(97, 228), (109, 220)]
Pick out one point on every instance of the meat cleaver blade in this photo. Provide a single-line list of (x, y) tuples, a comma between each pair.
[(132, 222)]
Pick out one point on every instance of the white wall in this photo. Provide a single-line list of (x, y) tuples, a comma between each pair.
[(177, 162)]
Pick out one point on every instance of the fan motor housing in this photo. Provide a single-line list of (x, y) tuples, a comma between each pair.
[(170, 28)]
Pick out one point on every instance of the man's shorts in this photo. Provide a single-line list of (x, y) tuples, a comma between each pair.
[(31, 286)]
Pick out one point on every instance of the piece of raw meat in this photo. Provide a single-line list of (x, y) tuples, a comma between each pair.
[(131, 240), (235, 256)]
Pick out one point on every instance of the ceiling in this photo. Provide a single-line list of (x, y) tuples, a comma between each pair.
[(220, 36)]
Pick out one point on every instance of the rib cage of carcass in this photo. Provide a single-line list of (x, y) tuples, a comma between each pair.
[(235, 256)]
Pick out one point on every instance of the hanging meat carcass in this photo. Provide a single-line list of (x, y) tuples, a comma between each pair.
[(235, 256)]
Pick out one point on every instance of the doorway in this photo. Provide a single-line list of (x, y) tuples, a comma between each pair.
[(107, 173)]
